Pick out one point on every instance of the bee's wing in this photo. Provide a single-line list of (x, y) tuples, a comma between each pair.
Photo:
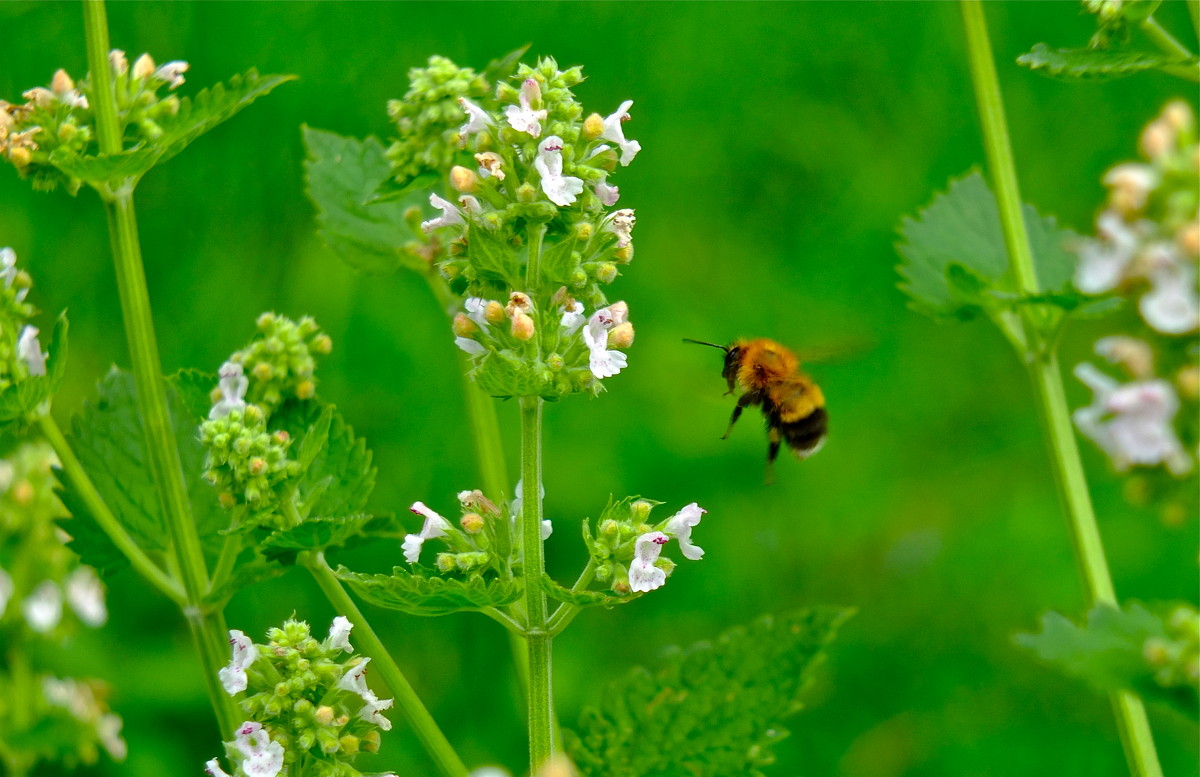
[(837, 351)]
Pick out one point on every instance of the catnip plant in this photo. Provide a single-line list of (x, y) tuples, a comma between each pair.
[(497, 191)]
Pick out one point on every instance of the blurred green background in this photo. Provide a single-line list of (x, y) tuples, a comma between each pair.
[(782, 143)]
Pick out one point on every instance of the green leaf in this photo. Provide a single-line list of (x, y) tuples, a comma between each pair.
[(110, 442), (961, 228), (324, 534), (492, 258), (26, 397), (341, 175), (338, 478), (1093, 64), (195, 391), (505, 66), (1109, 651), (419, 595), (559, 262), (208, 109), (712, 710), (583, 598)]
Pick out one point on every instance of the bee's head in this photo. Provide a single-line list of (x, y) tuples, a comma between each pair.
[(733, 354)]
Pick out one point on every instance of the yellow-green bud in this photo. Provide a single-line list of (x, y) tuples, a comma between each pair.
[(282, 689), (227, 500), (20, 156), (621, 587), (555, 362), (584, 230), (623, 254), (143, 68), (640, 510), (66, 131), (472, 523), (621, 335), (593, 126), (464, 326), (369, 742), (526, 193), (446, 562), (463, 180), (257, 465), (606, 273), (349, 744), (324, 715), (493, 313), (522, 327), (61, 82), (306, 389), (263, 371), (609, 529), (322, 344)]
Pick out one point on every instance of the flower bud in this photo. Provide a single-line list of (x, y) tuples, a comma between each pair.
[(463, 326), (227, 500), (593, 126), (369, 741), (306, 389), (621, 587), (526, 193), (639, 511), (280, 436), (446, 562), (522, 327), (624, 254), (324, 715), (263, 372), (322, 344), (532, 92), (1188, 380), (349, 744), (61, 83), (621, 335), (1156, 651), (606, 273), (66, 131), (1188, 238), (609, 529), (506, 92), (464, 180), (555, 362), (471, 523), (584, 230), (1156, 140), (257, 466), (491, 165), (579, 278), (120, 65), (1178, 116), (493, 313), (20, 156), (143, 67)]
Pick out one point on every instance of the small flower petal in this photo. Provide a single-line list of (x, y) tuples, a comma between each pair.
[(477, 119), (213, 767), (473, 347), (614, 132), (339, 634), (86, 596), (561, 190), (232, 385), (30, 350), (233, 677), (43, 607), (643, 574), (450, 214), (680, 526)]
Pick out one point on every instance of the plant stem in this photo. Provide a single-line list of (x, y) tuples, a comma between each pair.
[(1168, 44), (104, 516), (407, 701), (208, 628), (1047, 378), (1193, 7), (538, 641)]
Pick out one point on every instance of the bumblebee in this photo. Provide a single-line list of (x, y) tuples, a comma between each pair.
[(769, 375)]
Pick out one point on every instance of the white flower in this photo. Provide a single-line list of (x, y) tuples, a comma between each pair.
[(86, 596), (143, 67), (108, 731), (680, 526), (1132, 422), (6, 590), (233, 385), (172, 73), (213, 767), (477, 119), (473, 347), (355, 678), (559, 188), (546, 530), (372, 710), (43, 607), (120, 65), (8, 266), (435, 526), (643, 574), (523, 118), (489, 771), (1172, 306), (450, 214), (1103, 262), (263, 758), (30, 350), (490, 164), (603, 362), (614, 132), (1132, 184), (572, 318), (233, 676), (607, 194), (476, 307), (621, 224), (339, 634)]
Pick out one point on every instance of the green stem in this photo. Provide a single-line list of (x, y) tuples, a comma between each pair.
[(208, 629), (104, 517), (565, 612), (1168, 44), (537, 640), (1047, 378), (407, 701), (1193, 7)]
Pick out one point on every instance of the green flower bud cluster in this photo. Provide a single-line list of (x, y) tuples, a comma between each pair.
[(281, 360), (311, 698), (612, 545), (1176, 659), (428, 117), (482, 540), (247, 462), (58, 119), (1114, 18)]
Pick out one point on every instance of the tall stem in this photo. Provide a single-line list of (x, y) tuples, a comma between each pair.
[(1168, 44), (208, 629), (1047, 378), (538, 641), (407, 701)]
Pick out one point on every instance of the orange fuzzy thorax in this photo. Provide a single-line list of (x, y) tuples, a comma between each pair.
[(764, 363)]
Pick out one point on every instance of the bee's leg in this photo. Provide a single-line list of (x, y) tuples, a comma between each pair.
[(774, 439), (744, 401)]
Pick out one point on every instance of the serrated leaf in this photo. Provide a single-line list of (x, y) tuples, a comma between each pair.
[(1093, 64), (208, 109), (109, 440), (962, 227), (491, 258), (583, 598), (712, 710), (251, 567), (195, 391), (341, 176), (418, 595), (339, 477), (323, 534), (559, 262), (1108, 651), (25, 397)]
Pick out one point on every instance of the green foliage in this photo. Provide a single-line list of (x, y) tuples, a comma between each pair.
[(319, 534), (25, 397), (336, 473), (583, 598), (955, 263), (712, 710), (1110, 652), (342, 175), (1092, 64), (418, 595), (491, 259), (210, 108), (110, 442)]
